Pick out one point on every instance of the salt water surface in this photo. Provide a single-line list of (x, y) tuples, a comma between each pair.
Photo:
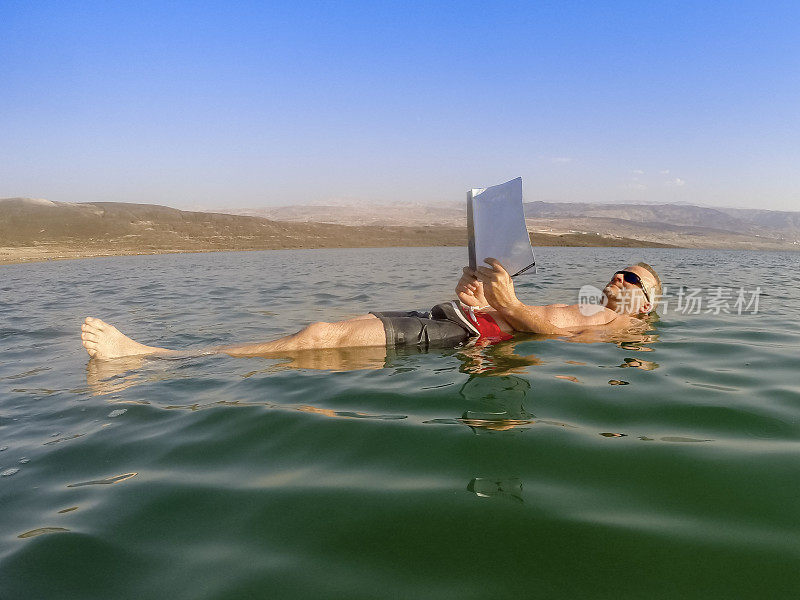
[(661, 467)]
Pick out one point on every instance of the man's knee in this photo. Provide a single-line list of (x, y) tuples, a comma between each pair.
[(319, 334), (354, 332)]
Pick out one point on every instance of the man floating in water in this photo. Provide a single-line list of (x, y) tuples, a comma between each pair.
[(488, 311)]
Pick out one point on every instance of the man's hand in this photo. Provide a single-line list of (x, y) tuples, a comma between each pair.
[(470, 290), (497, 285)]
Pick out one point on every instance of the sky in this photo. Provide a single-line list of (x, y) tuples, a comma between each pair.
[(246, 104)]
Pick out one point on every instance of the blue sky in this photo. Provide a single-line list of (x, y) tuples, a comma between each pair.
[(204, 104)]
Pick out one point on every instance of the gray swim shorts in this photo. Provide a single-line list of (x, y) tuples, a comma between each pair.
[(439, 326)]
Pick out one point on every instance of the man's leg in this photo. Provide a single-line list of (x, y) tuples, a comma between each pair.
[(103, 341), (365, 330)]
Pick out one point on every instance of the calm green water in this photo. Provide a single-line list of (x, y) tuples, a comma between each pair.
[(514, 471)]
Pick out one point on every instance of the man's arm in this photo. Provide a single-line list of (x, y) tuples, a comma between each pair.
[(498, 290), (555, 319), (532, 319)]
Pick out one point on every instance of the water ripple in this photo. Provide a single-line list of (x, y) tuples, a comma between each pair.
[(439, 474)]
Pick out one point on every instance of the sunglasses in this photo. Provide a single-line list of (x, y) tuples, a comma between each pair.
[(634, 279)]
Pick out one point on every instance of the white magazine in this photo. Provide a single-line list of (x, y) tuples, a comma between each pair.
[(496, 227)]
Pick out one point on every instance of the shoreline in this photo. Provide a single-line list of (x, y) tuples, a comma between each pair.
[(46, 252), (56, 251)]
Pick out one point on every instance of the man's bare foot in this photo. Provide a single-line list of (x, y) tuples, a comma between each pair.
[(103, 341)]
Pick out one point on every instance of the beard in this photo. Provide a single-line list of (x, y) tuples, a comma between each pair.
[(613, 295), (624, 300)]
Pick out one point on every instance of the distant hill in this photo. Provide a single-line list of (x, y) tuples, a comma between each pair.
[(32, 229), (680, 215), (764, 222), (774, 220), (683, 225), (449, 215), (118, 227), (673, 224)]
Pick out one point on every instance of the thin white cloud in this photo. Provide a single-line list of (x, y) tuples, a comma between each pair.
[(677, 182), (560, 160), (637, 172), (664, 172), (635, 186)]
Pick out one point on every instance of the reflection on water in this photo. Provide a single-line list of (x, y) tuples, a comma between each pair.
[(113, 376), (495, 392), (484, 487), (106, 481), (42, 531), (495, 402), (333, 359), (498, 359), (645, 365), (325, 412)]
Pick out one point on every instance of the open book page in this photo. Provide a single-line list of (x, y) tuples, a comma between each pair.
[(496, 224)]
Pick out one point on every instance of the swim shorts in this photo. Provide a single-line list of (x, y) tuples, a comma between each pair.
[(437, 326)]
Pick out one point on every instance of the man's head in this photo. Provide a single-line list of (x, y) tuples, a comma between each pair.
[(633, 290)]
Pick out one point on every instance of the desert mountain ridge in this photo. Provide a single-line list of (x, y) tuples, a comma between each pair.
[(26, 221), (677, 224), (34, 229), (42, 228)]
